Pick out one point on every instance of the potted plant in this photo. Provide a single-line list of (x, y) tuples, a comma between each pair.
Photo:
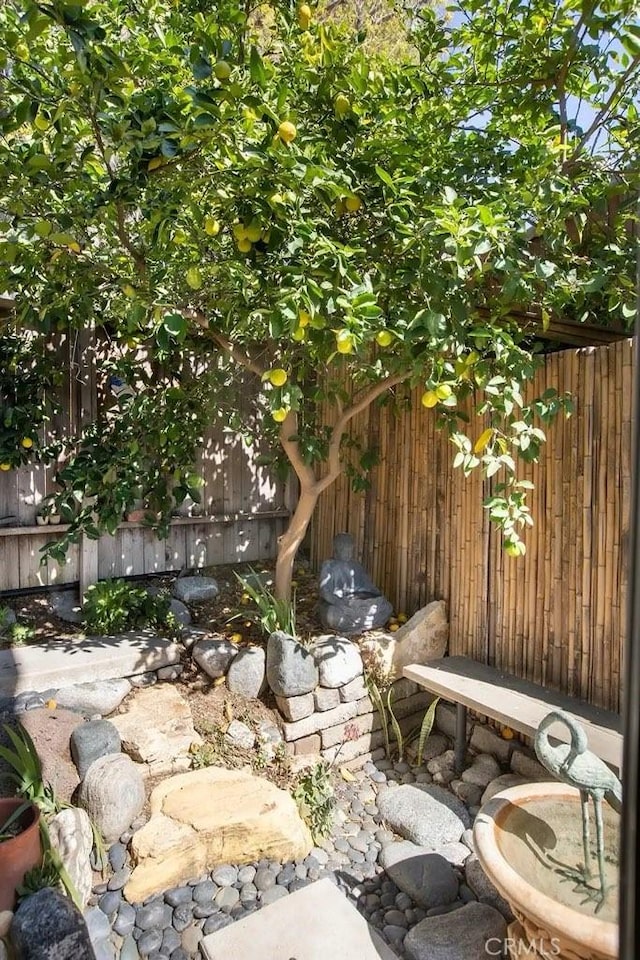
[(20, 846)]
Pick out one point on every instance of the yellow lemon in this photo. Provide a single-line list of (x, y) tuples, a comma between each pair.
[(254, 231), (402, 618), (340, 207), (278, 377), (128, 290), (298, 335), (51, 704), (304, 318), (194, 278), (393, 627), (429, 398), (237, 638), (507, 733), (5, 466), (179, 237), (244, 245), (212, 226), (342, 105), (222, 70), (279, 415), (27, 443), (353, 204), (304, 15), (287, 131), (240, 231), (513, 548), (384, 338), (443, 391), (344, 341)]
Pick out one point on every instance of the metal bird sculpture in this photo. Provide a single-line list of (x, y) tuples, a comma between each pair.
[(574, 764)]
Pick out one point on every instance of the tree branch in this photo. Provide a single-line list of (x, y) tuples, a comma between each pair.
[(603, 113), (304, 472), (359, 404), (242, 358)]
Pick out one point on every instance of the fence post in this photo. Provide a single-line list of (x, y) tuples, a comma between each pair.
[(87, 563)]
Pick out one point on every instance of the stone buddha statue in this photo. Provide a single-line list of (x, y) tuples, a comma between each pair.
[(350, 602)]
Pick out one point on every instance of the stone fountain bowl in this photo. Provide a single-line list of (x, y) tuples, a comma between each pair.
[(525, 838)]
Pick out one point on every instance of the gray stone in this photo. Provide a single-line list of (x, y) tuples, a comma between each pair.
[(269, 735), (350, 602), (291, 669), (66, 605), (525, 766), (156, 914), (171, 940), (240, 735), (109, 902), (216, 922), (482, 771), (98, 696), (149, 941), (425, 814), (461, 935), (170, 673), (47, 926), (97, 924), (446, 719), (296, 708), (205, 892), (338, 661), (190, 939), (71, 835), (264, 879), (435, 745), (180, 611), (129, 950), (179, 895), (504, 782), (325, 698), (182, 916), (479, 883), (485, 739), (117, 856), (455, 853), (125, 921), (113, 794), (195, 589), (7, 619), (227, 897), (246, 675), (246, 874), (214, 656), (469, 793), (273, 894), (119, 878), (225, 875), (425, 876), (96, 738)]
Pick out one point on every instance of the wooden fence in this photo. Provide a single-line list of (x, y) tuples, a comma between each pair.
[(244, 508), (556, 616)]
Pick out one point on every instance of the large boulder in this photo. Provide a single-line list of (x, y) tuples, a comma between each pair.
[(429, 816), (98, 696), (246, 674), (427, 877), (157, 728), (47, 926), (212, 816), (91, 740), (51, 732), (338, 660), (71, 835), (473, 932), (291, 668), (214, 655), (113, 794), (422, 638), (195, 589)]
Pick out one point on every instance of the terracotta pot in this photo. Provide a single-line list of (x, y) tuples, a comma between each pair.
[(20, 853)]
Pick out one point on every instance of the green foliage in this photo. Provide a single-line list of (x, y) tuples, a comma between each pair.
[(415, 222), (27, 377), (12, 825), (46, 875), (316, 801), (111, 606), (20, 633), (5, 618), (427, 726), (274, 613), (26, 770)]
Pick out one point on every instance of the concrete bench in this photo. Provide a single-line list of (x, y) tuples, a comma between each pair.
[(515, 703)]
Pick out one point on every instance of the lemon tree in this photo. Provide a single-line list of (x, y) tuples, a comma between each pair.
[(206, 190)]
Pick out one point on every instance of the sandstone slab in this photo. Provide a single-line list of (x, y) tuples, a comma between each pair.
[(424, 637), (319, 721), (51, 732), (157, 727), (211, 816), (296, 708)]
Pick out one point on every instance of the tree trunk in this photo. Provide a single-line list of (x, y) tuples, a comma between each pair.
[(291, 540)]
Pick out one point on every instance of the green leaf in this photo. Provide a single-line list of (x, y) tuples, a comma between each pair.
[(256, 68)]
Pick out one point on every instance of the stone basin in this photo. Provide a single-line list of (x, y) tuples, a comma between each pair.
[(524, 837)]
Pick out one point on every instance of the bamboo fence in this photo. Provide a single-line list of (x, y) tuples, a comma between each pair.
[(556, 616)]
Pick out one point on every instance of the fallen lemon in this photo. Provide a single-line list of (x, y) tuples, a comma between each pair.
[(393, 627), (51, 704), (507, 733), (287, 131), (278, 377), (236, 638), (402, 618)]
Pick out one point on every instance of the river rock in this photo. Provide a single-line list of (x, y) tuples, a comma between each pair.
[(426, 876), (246, 674), (479, 882), (482, 771), (180, 611), (195, 589), (66, 605), (214, 655), (208, 817), (72, 836), (157, 728), (7, 620), (91, 740), (469, 933), (428, 815), (338, 660), (98, 696), (291, 668), (113, 794), (51, 732), (240, 734), (47, 926)]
